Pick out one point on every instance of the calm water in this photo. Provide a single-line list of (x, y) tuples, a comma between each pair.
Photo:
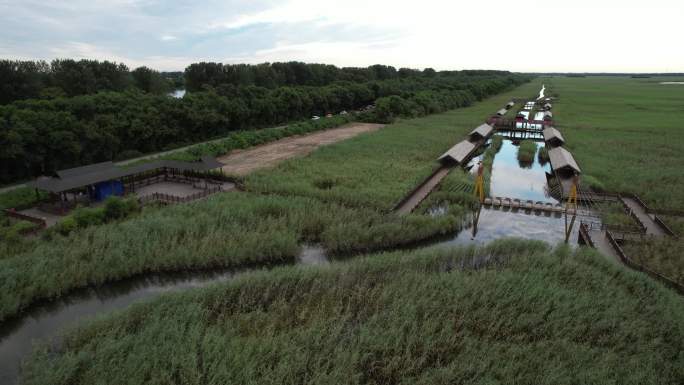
[(511, 179), (177, 93), (514, 180), (541, 92), (497, 223), (44, 322)]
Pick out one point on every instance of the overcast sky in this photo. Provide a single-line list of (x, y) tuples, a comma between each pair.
[(540, 36)]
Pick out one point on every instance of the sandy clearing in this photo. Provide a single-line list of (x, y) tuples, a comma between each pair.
[(242, 162)]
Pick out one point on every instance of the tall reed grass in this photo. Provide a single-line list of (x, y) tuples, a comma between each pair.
[(512, 312)]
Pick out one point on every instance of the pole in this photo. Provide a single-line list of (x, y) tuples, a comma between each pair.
[(479, 183)]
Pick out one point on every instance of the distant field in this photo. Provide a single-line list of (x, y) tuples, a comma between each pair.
[(627, 133), (511, 313)]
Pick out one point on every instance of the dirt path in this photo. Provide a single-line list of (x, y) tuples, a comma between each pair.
[(242, 162)]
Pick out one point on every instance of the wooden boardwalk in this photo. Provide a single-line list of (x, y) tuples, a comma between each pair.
[(421, 192), (640, 213)]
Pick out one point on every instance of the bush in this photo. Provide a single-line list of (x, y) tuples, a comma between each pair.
[(526, 151), (20, 198), (65, 226), (85, 216), (114, 208)]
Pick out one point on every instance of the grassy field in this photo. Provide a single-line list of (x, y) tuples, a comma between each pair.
[(628, 135), (513, 312), (296, 202)]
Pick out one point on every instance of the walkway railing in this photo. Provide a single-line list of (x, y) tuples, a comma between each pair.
[(173, 199), (640, 267), (24, 217)]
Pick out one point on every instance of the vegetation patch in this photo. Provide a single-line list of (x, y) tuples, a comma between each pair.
[(513, 310), (20, 198), (226, 230), (526, 152)]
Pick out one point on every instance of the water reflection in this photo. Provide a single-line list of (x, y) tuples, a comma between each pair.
[(177, 93), (44, 321), (497, 223), (510, 179)]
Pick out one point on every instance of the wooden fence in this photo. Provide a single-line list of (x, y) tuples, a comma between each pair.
[(17, 215), (173, 199), (639, 267)]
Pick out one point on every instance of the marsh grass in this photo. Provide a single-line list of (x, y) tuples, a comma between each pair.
[(513, 310), (526, 152), (626, 134), (227, 230)]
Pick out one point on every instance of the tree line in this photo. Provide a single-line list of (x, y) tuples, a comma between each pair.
[(272, 75), (21, 80), (39, 136)]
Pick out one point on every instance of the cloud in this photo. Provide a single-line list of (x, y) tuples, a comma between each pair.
[(581, 35)]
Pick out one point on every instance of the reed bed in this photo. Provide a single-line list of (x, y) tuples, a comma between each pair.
[(339, 196), (227, 230), (526, 151), (626, 134), (512, 312)]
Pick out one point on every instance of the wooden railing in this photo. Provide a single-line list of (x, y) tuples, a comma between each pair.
[(173, 199), (640, 267), (584, 234), (17, 215), (665, 227)]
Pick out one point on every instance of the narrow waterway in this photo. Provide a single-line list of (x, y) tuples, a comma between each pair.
[(511, 178), (45, 321)]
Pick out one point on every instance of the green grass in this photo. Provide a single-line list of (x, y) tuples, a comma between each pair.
[(20, 198), (626, 134), (512, 312), (227, 230), (526, 151)]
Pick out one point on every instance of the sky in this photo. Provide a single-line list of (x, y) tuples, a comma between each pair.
[(532, 36)]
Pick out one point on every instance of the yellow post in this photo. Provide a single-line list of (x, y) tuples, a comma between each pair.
[(572, 199), (479, 183)]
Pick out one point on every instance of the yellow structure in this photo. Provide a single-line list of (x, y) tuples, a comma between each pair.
[(479, 183), (572, 199)]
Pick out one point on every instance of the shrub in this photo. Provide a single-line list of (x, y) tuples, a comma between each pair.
[(65, 226), (526, 151), (85, 216)]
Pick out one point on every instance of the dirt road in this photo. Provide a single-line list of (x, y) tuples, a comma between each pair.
[(242, 162)]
